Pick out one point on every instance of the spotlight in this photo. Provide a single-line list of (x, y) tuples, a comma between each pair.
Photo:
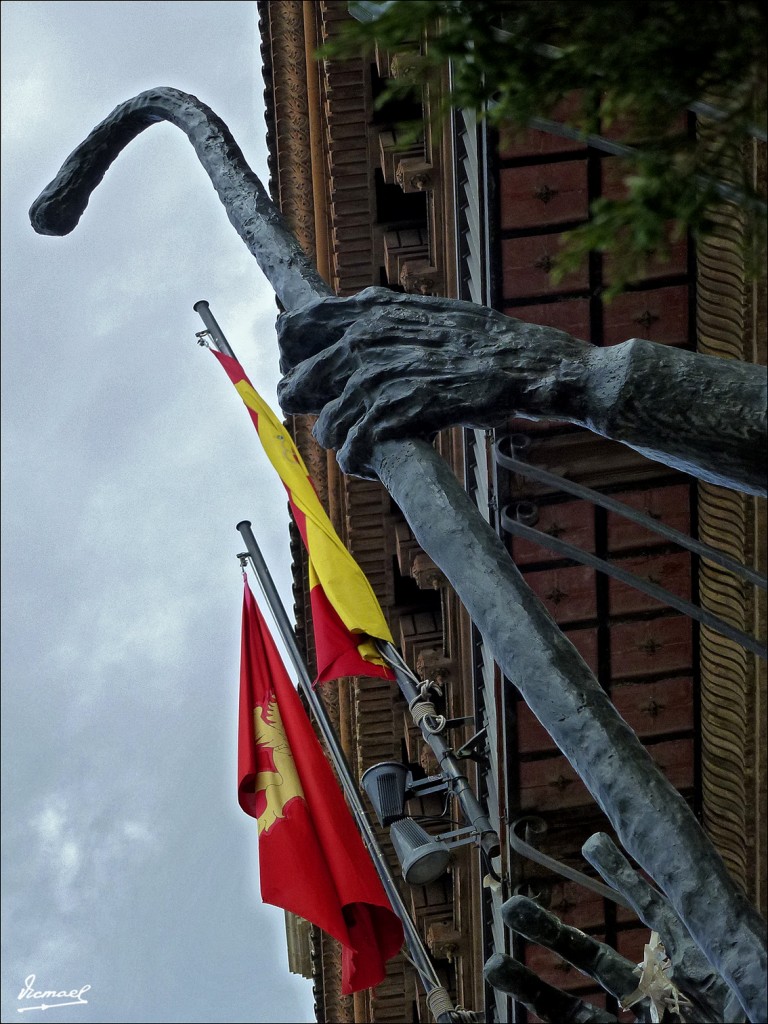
[(388, 785), (422, 857), (385, 786)]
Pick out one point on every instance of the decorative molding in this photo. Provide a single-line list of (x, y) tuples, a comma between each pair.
[(291, 118), (729, 675), (404, 245), (298, 933), (443, 940), (324, 152), (339, 1009), (427, 575), (406, 64), (434, 665), (345, 97)]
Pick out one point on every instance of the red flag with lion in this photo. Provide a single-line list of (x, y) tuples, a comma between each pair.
[(312, 860)]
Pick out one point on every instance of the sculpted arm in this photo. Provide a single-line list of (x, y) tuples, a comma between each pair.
[(387, 365)]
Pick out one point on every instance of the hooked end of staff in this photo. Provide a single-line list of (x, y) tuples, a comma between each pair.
[(49, 216)]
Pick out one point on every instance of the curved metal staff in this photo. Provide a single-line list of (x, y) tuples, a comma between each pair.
[(651, 819)]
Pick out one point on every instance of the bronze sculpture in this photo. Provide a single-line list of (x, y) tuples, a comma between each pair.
[(541, 372), (381, 365)]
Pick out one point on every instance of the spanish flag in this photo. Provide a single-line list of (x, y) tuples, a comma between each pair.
[(345, 611), (312, 861)]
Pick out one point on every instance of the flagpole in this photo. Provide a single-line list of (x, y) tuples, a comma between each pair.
[(438, 998)]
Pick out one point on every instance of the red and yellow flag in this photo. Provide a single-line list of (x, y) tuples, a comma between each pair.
[(312, 861), (345, 611)]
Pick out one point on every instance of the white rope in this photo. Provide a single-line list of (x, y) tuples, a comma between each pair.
[(422, 708), (439, 1002)]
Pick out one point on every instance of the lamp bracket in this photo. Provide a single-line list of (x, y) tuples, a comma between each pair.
[(470, 748), (425, 787), (460, 836)]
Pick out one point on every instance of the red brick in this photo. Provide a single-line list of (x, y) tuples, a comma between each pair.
[(577, 906), (532, 737), (526, 265), (568, 594), (585, 642), (675, 261), (653, 709), (659, 314), (551, 785), (676, 760), (550, 968), (671, 572), (543, 194), (570, 521), (570, 315), (669, 505), (631, 944), (623, 128), (514, 143), (658, 645)]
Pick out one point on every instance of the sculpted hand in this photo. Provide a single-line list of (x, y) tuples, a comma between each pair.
[(383, 365)]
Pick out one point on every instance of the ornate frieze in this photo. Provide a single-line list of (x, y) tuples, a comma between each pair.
[(732, 681)]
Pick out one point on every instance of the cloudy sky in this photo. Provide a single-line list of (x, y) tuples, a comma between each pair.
[(127, 461)]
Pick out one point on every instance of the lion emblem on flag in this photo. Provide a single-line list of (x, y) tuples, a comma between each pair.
[(282, 784)]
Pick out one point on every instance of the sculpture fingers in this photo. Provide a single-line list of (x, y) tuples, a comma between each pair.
[(547, 1002), (308, 330), (355, 457), (612, 971), (415, 398), (339, 416), (368, 346), (379, 316), (690, 969), (314, 382), (390, 418)]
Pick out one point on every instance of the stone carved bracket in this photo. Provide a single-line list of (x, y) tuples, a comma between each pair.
[(392, 152), (427, 574), (405, 64), (444, 940), (431, 663), (414, 562), (402, 246), (421, 278), (415, 174)]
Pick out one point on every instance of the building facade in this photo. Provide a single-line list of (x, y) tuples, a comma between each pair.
[(466, 214)]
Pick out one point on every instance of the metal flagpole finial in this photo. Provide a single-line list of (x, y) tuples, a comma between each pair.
[(213, 332)]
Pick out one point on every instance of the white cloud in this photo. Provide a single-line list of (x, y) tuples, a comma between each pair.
[(76, 845)]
